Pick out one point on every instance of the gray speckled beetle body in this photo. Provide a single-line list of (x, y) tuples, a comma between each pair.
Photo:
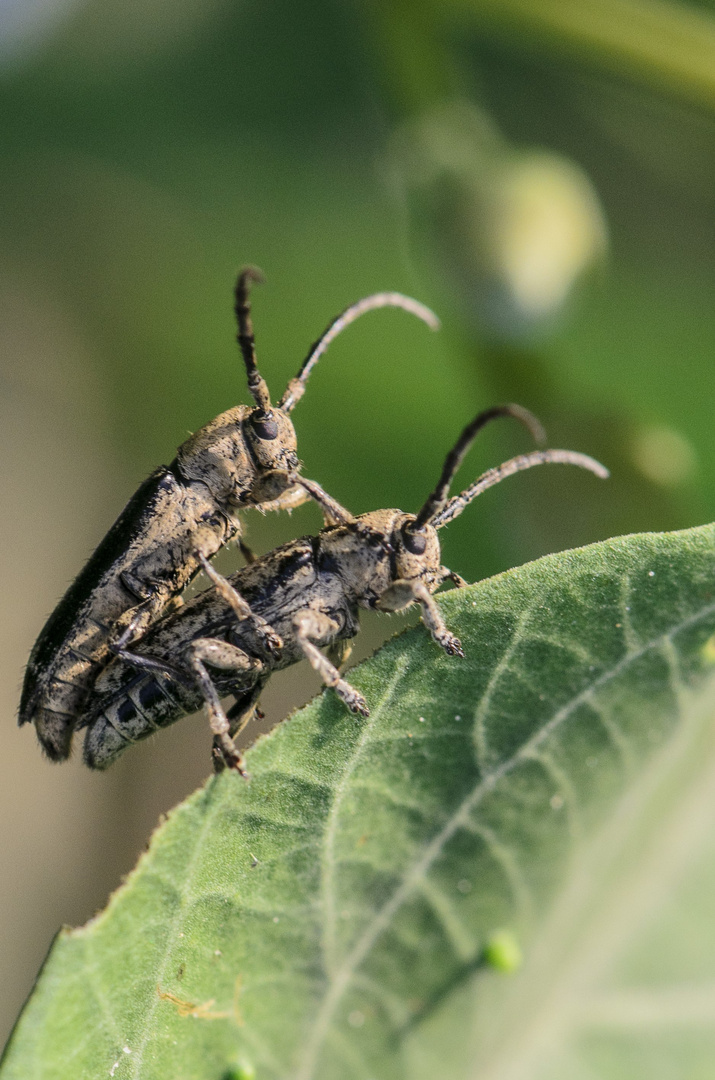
[(308, 594), (180, 517)]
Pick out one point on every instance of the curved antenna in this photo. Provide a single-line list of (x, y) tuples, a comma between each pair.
[(456, 456), (246, 341), (296, 387), (455, 506)]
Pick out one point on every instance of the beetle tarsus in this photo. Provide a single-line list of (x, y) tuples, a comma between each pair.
[(451, 644)]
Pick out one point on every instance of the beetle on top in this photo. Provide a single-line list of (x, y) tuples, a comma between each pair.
[(179, 518)]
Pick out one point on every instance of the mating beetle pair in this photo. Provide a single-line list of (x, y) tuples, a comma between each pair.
[(180, 517), (307, 593), (122, 655)]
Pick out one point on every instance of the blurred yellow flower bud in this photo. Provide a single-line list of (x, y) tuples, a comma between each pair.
[(513, 230), (664, 456), (546, 228)]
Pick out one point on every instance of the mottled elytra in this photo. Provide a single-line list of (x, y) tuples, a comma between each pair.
[(180, 517), (307, 594)]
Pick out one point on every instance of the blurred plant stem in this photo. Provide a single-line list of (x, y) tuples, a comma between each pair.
[(416, 66), (670, 46)]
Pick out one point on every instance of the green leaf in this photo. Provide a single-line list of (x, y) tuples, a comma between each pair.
[(352, 910)]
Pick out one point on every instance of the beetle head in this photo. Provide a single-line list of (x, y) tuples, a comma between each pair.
[(379, 550), (271, 439), (267, 429), (417, 555)]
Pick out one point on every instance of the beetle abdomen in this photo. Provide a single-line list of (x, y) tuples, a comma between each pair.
[(149, 555), (146, 705)]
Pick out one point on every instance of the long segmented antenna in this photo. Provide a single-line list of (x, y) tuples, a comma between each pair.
[(296, 387), (456, 456), (456, 505), (246, 341)]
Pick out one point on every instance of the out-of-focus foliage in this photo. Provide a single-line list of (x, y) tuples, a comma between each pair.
[(148, 149)]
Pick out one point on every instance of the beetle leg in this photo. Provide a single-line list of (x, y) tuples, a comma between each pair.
[(402, 593), (153, 663), (289, 500), (316, 624), (294, 497), (240, 713), (339, 652), (243, 710), (270, 640), (445, 574), (132, 624), (247, 552), (154, 598), (220, 654)]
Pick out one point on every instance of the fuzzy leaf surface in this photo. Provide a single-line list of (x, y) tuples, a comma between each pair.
[(330, 918)]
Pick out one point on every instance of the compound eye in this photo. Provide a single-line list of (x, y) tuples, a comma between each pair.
[(414, 542), (265, 427)]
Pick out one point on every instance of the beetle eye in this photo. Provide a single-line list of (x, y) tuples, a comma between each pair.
[(414, 542), (265, 427)]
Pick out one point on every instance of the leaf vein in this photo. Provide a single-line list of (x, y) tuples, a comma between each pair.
[(414, 874)]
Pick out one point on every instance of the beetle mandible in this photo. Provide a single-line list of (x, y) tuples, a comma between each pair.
[(180, 517), (309, 592)]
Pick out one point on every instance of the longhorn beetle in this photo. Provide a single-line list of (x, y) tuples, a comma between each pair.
[(308, 592), (179, 518)]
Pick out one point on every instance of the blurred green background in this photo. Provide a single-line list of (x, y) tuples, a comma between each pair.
[(539, 172)]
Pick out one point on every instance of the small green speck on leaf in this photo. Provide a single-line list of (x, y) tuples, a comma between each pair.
[(244, 1071), (503, 952)]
